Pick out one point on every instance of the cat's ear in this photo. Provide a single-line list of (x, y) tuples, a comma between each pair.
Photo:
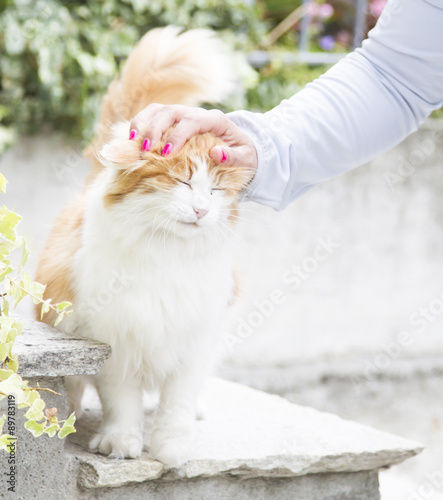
[(121, 154)]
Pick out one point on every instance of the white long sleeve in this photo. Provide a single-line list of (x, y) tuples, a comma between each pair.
[(363, 106)]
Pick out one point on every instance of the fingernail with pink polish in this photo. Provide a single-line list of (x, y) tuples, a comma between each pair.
[(133, 134), (224, 157), (167, 149), (146, 146)]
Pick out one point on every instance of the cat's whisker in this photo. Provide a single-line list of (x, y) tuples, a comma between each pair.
[(242, 210), (141, 213), (158, 225), (242, 219), (235, 241), (166, 230)]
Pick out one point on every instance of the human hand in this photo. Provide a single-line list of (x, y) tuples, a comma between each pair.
[(156, 119)]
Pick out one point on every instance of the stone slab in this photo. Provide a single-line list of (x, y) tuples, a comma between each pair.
[(98, 472), (250, 434), (351, 486), (43, 351)]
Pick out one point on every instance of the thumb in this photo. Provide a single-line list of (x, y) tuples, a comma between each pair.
[(239, 156), (226, 156)]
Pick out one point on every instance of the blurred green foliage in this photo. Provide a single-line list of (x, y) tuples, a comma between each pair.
[(58, 57), (278, 81)]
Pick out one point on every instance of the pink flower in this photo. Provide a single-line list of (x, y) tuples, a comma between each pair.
[(325, 11), (376, 7), (312, 9), (344, 38)]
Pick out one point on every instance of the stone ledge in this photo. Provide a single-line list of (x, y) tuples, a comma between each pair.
[(101, 472), (250, 434), (285, 378), (43, 351)]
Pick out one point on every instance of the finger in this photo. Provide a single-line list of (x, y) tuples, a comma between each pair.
[(138, 124), (240, 156), (153, 121), (197, 122), (165, 118)]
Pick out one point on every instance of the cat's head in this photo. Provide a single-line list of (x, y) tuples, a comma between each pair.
[(185, 193)]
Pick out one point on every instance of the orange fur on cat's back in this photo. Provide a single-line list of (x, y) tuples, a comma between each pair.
[(54, 269)]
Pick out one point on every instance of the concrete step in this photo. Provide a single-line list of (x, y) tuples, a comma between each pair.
[(403, 396), (249, 445)]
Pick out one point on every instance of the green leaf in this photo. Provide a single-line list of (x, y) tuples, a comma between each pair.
[(15, 292), (36, 410), (25, 253), (37, 290), (31, 397), (8, 222), (12, 334), (5, 310), (4, 374), (59, 319), (71, 419), (19, 325), (6, 323), (5, 269), (32, 288), (34, 427), (52, 429), (61, 306), (5, 442), (5, 351), (3, 183), (12, 364), (6, 247), (45, 307), (13, 386), (65, 431), (68, 427)]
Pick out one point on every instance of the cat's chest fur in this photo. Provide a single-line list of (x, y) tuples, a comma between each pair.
[(152, 294)]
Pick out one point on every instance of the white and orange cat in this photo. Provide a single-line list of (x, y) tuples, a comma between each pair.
[(145, 252)]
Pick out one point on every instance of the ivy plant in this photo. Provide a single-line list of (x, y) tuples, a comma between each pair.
[(16, 284)]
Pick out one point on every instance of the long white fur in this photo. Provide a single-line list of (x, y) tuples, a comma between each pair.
[(160, 282)]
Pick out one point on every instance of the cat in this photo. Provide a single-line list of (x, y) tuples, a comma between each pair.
[(145, 252)]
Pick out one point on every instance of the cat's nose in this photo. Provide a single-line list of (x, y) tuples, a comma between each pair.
[(200, 212)]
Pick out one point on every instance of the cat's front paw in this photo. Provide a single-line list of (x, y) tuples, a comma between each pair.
[(171, 451), (117, 445)]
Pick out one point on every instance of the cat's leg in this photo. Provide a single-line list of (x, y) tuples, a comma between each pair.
[(121, 431), (174, 421), (75, 387)]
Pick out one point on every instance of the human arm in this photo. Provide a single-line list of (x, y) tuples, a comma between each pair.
[(361, 107)]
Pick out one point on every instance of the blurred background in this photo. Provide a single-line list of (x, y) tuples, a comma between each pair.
[(356, 262)]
